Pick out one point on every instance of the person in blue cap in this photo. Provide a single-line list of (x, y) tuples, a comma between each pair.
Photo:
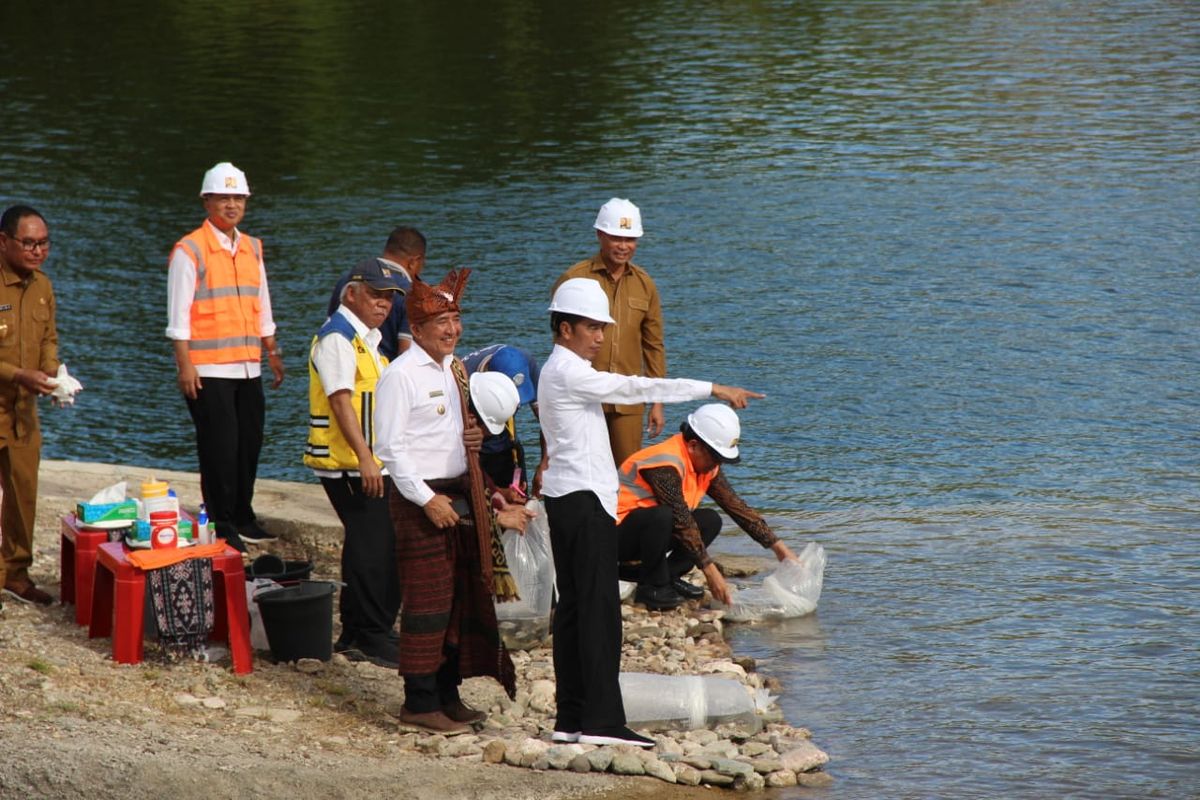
[(404, 255), (502, 453)]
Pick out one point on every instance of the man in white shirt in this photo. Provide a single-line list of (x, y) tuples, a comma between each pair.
[(580, 489), (219, 317), (344, 369), (448, 628)]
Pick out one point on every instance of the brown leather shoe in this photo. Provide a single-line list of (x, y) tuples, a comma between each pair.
[(28, 594), (432, 722), (461, 712)]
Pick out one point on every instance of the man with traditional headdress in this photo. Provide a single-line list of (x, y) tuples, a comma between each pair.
[(450, 561)]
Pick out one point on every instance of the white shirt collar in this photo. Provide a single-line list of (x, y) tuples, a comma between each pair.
[(227, 241), (369, 335), (420, 356)]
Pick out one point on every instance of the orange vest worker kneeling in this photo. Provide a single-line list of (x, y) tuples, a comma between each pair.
[(658, 522)]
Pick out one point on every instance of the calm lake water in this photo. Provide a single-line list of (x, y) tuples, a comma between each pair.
[(955, 243)]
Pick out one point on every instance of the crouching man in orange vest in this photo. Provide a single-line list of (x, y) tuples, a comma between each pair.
[(658, 522), (219, 317)]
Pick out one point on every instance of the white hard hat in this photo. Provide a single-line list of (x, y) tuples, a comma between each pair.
[(495, 397), (718, 427), (582, 297), (619, 218), (224, 178)]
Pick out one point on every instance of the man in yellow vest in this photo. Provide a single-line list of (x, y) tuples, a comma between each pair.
[(658, 522), (343, 368), (219, 318)]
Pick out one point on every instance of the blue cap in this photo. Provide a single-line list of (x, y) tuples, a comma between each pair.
[(376, 274), (515, 363)]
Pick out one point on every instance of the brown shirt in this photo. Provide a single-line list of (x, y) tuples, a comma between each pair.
[(634, 346), (668, 488), (28, 340)]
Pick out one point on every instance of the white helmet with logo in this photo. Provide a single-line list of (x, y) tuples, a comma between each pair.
[(582, 297), (495, 398), (225, 178), (718, 427), (619, 218)]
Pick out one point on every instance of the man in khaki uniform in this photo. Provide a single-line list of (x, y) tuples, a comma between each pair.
[(28, 359), (634, 344)]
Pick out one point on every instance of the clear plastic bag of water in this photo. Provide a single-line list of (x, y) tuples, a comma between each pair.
[(791, 590), (688, 702), (532, 566)]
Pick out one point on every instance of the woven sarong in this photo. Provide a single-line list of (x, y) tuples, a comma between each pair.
[(445, 604), (182, 596)]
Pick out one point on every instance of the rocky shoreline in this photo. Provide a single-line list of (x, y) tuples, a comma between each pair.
[(81, 726)]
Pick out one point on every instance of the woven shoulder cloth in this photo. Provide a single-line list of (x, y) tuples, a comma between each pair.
[(494, 570)]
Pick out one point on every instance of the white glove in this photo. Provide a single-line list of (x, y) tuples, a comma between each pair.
[(65, 388)]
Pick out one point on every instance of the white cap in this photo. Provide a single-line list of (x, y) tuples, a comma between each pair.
[(495, 397), (619, 217), (224, 178), (582, 297), (718, 427)]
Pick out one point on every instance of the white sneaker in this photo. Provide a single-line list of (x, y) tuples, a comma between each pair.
[(621, 735), (564, 737)]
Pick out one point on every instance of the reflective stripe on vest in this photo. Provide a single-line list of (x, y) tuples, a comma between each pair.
[(635, 492), (226, 312), (327, 448)]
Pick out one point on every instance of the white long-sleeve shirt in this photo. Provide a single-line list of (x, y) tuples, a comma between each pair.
[(181, 291), (418, 423), (570, 394)]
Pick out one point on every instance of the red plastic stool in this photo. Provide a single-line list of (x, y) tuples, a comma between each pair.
[(117, 578), (77, 564)]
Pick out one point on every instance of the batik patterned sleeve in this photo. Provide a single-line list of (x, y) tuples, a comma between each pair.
[(747, 518)]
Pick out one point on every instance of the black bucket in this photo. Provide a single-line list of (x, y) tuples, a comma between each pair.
[(299, 620), (279, 570)]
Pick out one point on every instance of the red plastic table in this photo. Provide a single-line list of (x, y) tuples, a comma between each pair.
[(119, 592), (77, 563)]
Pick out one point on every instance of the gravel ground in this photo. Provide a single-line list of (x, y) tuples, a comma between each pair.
[(77, 725)]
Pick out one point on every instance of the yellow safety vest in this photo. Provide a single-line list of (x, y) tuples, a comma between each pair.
[(327, 447)]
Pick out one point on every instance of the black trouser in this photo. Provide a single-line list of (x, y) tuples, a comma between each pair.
[(425, 693), (371, 597), (587, 620), (228, 414), (645, 535)]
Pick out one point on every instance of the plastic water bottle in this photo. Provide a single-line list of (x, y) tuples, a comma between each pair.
[(202, 530)]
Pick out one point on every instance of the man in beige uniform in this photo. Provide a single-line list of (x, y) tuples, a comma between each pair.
[(634, 344), (28, 360)]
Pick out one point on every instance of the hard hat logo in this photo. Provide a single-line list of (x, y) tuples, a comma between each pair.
[(619, 217), (224, 178)]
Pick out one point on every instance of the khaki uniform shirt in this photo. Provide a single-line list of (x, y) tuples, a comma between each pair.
[(634, 346), (28, 340)]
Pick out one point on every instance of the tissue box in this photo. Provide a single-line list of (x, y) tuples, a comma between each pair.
[(124, 511)]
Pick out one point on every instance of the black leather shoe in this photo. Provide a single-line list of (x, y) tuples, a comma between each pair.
[(658, 598), (689, 590)]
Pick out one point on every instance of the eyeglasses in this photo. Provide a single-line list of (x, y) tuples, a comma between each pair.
[(29, 245)]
